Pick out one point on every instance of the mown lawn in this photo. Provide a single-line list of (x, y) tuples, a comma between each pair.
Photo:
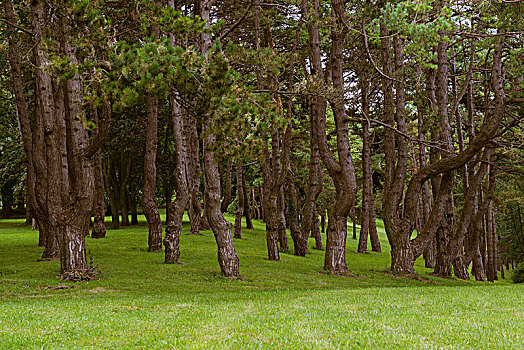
[(139, 302)]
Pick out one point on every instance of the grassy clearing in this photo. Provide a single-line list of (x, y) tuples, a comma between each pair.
[(139, 302)]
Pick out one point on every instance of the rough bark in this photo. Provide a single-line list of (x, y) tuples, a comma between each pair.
[(47, 174), (401, 254), (178, 207), (430, 250), (341, 171), (76, 209), (488, 130), (149, 206), (227, 256), (444, 257), (148, 203)]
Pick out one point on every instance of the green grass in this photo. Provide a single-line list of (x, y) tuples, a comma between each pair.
[(139, 302)]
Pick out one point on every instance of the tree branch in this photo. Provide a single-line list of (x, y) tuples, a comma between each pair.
[(237, 23)]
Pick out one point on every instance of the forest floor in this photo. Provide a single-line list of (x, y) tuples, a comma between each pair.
[(142, 303)]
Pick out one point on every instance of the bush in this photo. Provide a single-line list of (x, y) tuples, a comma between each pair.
[(518, 274)]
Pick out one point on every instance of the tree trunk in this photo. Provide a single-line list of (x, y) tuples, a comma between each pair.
[(77, 210), (335, 258), (23, 115), (227, 186), (401, 252), (47, 170), (354, 220), (111, 188), (149, 206), (271, 227), (148, 203), (240, 202), (99, 205), (315, 184), (367, 183), (430, 251), (323, 220), (269, 205), (444, 257), (193, 164), (133, 207), (491, 271), (227, 256), (178, 207), (168, 196), (299, 239), (124, 173), (342, 171), (247, 211), (281, 209), (315, 229)]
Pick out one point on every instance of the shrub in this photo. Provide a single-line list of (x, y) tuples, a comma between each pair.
[(518, 274)]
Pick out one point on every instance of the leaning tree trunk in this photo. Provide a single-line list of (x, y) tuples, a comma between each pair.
[(23, 116), (227, 255), (447, 165), (178, 207), (46, 162), (342, 171)]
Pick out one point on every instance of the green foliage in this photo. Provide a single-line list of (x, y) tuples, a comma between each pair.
[(518, 274)]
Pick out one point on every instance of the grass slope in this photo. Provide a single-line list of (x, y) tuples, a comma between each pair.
[(139, 302)]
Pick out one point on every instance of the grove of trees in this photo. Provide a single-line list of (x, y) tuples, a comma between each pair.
[(301, 113)]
